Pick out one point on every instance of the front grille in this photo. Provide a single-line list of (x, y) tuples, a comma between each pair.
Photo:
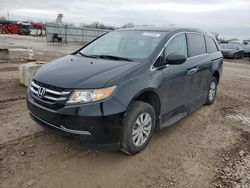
[(48, 94), (49, 86)]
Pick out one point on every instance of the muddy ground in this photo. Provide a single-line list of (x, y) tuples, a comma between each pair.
[(209, 148)]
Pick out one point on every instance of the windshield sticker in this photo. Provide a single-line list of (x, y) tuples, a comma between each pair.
[(151, 34)]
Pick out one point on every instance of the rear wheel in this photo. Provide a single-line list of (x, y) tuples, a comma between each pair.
[(212, 91), (138, 127)]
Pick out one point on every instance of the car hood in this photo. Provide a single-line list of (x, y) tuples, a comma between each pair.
[(73, 71), (228, 50)]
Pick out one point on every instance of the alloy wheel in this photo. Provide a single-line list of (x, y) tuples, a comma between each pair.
[(141, 129), (212, 91)]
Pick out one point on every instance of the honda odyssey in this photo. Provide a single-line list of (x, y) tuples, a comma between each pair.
[(127, 84)]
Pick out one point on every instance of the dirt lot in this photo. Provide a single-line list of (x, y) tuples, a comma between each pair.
[(209, 148)]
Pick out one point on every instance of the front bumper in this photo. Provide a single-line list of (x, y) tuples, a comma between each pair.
[(246, 54), (58, 128), (227, 54), (87, 122)]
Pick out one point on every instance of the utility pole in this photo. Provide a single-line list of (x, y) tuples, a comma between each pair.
[(8, 16)]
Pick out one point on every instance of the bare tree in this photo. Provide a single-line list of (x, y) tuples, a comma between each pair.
[(99, 25), (128, 25), (82, 25), (71, 25)]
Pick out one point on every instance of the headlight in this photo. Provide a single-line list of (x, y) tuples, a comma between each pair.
[(85, 96)]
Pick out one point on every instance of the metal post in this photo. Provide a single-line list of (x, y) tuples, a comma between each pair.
[(66, 28)]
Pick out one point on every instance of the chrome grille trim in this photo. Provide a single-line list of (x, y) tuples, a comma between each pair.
[(61, 95), (48, 97), (51, 91)]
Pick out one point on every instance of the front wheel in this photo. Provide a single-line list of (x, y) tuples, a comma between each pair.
[(138, 127), (212, 91)]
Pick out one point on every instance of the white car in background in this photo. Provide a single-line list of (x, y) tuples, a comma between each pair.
[(246, 49)]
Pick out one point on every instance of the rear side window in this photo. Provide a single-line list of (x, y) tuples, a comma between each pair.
[(197, 44), (177, 45), (211, 46)]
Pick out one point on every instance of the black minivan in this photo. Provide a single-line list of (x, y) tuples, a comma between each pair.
[(127, 84)]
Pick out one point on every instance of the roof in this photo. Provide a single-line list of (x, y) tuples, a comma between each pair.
[(148, 28), (166, 29)]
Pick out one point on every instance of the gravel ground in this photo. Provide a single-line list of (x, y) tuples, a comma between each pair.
[(209, 148)]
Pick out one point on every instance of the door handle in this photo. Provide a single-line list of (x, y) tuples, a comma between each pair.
[(192, 70)]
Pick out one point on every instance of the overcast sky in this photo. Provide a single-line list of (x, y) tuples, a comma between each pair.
[(230, 18)]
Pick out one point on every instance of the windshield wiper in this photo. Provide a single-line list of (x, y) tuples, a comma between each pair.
[(105, 57), (114, 57), (86, 55)]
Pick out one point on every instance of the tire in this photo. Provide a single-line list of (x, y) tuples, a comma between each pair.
[(234, 56), (137, 111), (212, 90)]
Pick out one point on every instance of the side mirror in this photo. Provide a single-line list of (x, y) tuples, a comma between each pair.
[(175, 59)]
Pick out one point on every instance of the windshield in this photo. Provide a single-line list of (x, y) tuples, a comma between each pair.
[(135, 45), (229, 46), (222, 46), (246, 46)]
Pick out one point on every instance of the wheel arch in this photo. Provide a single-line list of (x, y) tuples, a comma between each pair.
[(152, 97), (216, 75)]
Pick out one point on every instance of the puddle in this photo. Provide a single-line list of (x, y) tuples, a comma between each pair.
[(245, 120)]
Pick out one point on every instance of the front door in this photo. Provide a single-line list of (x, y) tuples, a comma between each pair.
[(175, 87)]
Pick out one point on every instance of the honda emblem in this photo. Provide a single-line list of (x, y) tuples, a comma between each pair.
[(41, 92)]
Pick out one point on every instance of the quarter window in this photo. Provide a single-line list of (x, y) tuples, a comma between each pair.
[(211, 46), (177, 45), (158, 62), (197, 44)]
